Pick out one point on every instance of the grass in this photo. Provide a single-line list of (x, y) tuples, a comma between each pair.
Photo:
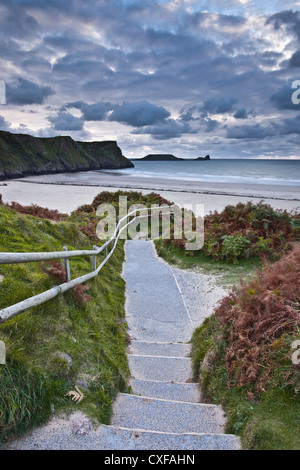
[(39, 342), (269, 422), (69, 340), (227, 274), (79, 338), (242, 357), (264, 420)]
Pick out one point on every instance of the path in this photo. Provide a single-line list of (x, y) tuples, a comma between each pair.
[(163, 411)]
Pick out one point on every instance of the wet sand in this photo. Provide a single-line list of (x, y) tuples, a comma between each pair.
[(66, 191)]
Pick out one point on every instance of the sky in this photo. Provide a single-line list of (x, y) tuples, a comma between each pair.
[(184, 77)]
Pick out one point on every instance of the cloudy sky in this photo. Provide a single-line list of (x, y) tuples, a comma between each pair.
[(187, 77)]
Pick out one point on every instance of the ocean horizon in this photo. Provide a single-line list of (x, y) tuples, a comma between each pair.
[(277, 172)]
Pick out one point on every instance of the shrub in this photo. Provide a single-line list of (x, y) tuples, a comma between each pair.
[(234, 247), (55, 269), (86, 217), (248, 230), (258, 320), (79, 294), (36, 211)]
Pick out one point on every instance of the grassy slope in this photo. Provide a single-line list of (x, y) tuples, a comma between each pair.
[(94, 334), (269, 422), (226, 273)]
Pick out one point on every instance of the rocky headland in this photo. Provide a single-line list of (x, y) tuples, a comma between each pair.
[(24, 155)]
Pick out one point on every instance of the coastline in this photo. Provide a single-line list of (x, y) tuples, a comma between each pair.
[(75, 189)]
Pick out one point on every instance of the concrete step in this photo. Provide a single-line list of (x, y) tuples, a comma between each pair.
[(60, 434), (188, 392), (116, 438), (164, 369), (151, 414), (155, 309), (149, 348)]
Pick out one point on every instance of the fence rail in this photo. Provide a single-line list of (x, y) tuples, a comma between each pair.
[(12, 258)]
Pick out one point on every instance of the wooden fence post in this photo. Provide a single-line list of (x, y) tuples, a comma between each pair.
[(94, 259), (67, 265)]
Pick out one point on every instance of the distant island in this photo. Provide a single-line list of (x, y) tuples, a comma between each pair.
[(207, 157), (167, 158), (25, 155)]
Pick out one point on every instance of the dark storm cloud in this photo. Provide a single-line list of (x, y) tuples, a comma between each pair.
[(139, 114), (291, 126), (154, 67), (291, 20), (283, 98), (27, 92), (166, 70), (219, 105), (37, 64), (92, 112), (241, 114), (187, 114), (136, 114), (250, 132), (16, 23), (66, 122), (134, 46), (295, 59), (211, 125), (60, 42), (288, 18), (168, 129), (75, 67), (288, 126)]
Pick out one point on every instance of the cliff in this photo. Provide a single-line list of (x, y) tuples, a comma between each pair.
[(23, 155)]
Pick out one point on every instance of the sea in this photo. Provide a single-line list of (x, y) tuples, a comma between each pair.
[(275, 172)]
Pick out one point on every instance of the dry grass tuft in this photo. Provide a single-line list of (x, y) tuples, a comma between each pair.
[(77, 395)]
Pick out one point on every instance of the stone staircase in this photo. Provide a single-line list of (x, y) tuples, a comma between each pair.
[(162, 412)]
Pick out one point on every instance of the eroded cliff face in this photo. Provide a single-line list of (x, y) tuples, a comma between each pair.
[(23, 155)]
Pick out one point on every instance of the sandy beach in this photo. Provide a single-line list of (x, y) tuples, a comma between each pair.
[(66, 191)]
